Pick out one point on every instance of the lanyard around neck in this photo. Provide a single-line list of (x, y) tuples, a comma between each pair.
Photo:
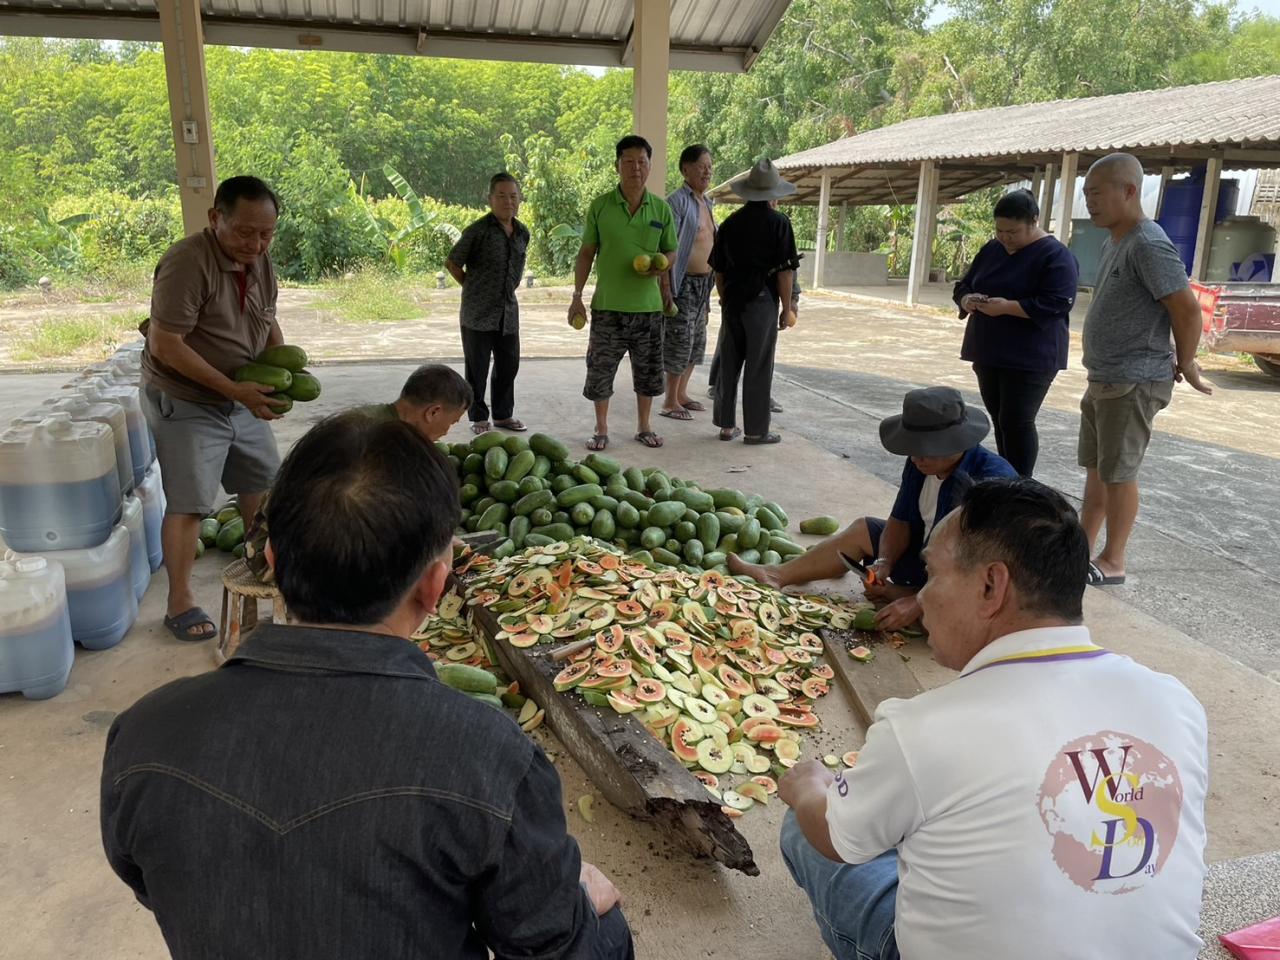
[(1084, 651)]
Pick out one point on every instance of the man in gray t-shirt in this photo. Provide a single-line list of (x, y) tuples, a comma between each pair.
[(1141, 301)]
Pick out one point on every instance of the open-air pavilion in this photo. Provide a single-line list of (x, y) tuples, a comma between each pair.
[(936, 160), (652, 37)]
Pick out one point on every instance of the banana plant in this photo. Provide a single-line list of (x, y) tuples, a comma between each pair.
[(393, 240)]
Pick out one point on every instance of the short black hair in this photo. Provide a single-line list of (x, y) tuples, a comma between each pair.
[(234, 189), (435, 383), (364, 507), (1036, 534), (1018, 205), (693, 153), (632, 142), (502, 177)]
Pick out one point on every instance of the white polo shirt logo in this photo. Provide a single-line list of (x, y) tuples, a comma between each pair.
[(1111, 804)]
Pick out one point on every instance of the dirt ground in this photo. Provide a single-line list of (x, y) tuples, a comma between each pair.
[(59, 900)]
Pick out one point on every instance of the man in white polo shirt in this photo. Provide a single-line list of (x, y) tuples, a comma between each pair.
[(1048, 802)]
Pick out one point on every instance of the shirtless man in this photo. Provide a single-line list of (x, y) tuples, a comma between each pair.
[(685, 337)]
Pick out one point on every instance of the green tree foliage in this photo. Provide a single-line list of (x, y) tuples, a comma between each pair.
[(85, 128)]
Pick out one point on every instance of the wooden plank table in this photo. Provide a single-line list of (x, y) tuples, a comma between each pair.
[(868, 684)]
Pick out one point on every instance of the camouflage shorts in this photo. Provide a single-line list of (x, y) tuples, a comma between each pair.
[(685, 339), (614, 335)]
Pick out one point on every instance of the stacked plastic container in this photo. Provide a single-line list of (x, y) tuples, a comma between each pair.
[(80, 514)]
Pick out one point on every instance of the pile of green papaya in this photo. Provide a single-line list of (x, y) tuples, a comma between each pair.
[(530, 493), (224, 529), (282, 369)]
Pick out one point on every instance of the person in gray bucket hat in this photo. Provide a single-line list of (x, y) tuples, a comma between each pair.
[(754, 259), (940, 435)]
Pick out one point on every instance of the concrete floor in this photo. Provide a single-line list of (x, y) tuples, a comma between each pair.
[(63, 901), (936, 296)]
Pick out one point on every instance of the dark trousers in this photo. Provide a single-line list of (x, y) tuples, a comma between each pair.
[(613, 938), (477, 347), (1013, 399), (748, 336)]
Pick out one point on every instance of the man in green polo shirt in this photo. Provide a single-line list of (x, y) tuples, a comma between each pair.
[(626, 309)]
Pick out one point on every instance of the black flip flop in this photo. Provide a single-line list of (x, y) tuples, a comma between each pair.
[(760, 441), (598, 442), (181, 624), (649, 439), (680, 414), (1099, 578)]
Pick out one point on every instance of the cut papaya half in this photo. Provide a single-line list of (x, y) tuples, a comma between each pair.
[(796, 718), (733, 681), (707, 779), (703, 658), (684, 740), (649, 690), (587, 567), (524, 640), (787, 752), (861, 654), (815, 687), (714, 758), (799, 655), (572, 675), (810, 642), (769, 616), (778, 657), (850, 759), (822, 670), (615, 668), (754, 791), (640, 646), (623, 702), (630, 611), (712, 580), (769, 784), (700, 710), (610, 562), (612, 640), (764, 733), (540, 623)]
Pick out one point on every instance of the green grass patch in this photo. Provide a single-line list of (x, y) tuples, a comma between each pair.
[(371, 296), (56, 337)]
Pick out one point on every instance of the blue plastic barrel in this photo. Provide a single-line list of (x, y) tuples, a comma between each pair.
[(1180, 213)]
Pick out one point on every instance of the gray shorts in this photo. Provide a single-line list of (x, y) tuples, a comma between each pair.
[(613, 335), (202, 446), (684, 341), (1115, 426)]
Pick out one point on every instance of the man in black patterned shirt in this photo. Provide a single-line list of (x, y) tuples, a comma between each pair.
[(488, 261)]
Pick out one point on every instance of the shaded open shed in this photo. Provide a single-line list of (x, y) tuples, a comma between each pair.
[(935, 160)]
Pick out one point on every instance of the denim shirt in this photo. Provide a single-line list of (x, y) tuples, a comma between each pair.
[(685, 208), (323, 795)]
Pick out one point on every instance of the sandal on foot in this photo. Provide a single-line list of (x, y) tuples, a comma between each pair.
[(774, 406), (511, 424), (730, 434), (649, 439), (676, 414), (598, 441), (1100, 578), (480, 426), (694, 405), (767, 438), (180, 625)]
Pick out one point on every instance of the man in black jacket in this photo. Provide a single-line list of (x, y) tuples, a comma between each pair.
[(323, 795)]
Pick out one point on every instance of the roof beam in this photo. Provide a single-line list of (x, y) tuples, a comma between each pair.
[(322, 35), (770, 23)]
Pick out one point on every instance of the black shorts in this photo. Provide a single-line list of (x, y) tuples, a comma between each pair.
[(909, 570)]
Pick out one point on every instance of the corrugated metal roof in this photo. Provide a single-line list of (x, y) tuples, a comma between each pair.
[(705, 34), (1178, 126)]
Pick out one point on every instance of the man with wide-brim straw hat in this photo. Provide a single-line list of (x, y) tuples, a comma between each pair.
[(941, 437), (754, 261)]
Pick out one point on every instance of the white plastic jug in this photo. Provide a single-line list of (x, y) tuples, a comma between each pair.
[(100, 595), (104, 411), (151, 493), (141, 445), (139, 563), (58, 484), (36, 650)]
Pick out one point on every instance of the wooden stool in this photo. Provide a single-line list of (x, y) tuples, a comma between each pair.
[(241, 591)]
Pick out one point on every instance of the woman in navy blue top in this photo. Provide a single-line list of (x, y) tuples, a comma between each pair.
[(1017, 295)]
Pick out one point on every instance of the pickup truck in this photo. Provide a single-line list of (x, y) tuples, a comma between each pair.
[(1242, 318)]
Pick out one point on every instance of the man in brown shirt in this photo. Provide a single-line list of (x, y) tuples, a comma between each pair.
[(213, 309)]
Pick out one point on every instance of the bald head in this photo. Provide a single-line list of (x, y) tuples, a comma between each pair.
[(1121, 168), (1113, 193)]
